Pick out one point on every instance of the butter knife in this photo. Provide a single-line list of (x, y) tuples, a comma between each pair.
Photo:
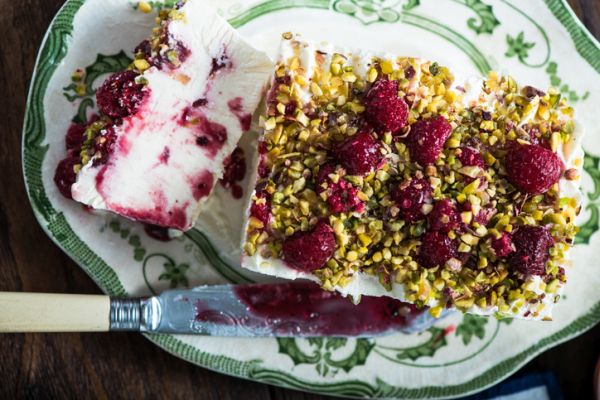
[(299, 309)]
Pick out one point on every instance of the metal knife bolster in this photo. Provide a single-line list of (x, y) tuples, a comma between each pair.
[(137, 314)]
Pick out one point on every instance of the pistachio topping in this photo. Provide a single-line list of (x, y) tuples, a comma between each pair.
[(316, 105)]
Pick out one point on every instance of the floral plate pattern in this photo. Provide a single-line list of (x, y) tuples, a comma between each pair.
[(539, 41)]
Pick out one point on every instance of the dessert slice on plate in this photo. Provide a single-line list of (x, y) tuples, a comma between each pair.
[(385, 175), (168, 122)]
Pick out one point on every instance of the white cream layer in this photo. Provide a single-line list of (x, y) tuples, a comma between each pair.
[(135, 181)]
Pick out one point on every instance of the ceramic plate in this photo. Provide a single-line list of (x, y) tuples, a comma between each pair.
[(540, 42)]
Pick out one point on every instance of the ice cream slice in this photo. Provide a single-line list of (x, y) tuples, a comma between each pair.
[(385, 175), (169, 122)]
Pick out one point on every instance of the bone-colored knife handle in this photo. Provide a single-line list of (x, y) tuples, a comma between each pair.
[(43, 312)]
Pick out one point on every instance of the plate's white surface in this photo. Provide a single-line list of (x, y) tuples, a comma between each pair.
[(539, 42)]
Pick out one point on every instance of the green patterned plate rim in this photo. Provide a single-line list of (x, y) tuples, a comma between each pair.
[(477, 34)]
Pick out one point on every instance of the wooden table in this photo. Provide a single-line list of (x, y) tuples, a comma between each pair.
[(118, 365)]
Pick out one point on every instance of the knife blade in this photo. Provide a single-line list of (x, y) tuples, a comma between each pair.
[(299, 309)]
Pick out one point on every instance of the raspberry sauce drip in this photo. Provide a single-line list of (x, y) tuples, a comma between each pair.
[(284, 307), (235, 170)]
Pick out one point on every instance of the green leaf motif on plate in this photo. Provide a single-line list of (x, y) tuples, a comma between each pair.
[(591, 165), (435, 341), (105, 64), (555, 81), (175, 274), (370, 11), (82, 81), (324, 351), (157, 5), (410, 4), (487, 20), (471, 325), (517, 46), (589, 227), (51, 58), (134, 240)]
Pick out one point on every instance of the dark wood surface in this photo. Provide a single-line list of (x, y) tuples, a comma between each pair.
[(127, 365)]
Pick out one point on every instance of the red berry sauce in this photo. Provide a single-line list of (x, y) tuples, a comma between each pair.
[(237, 108), (219, 63), (212, 136), (282, 307), (202, 185)]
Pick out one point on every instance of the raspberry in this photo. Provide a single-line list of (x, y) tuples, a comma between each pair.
[(75, 138), (235, 170), (290, 108), (235, 167), (359, 154), (384, 109), (261, 210), (536, 137), (119, 95), (307, 251), (468, 156), (426, 139), (103, 144), (343, 198), (444, 217), (436, 248), (531, 250), (323, 176), (272, 97), (485, 215), (144, 49), (64, 176), (532, 169), (341, 195), (503, 246), (410, 196)]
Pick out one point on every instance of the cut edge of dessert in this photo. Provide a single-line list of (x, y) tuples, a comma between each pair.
[(167, 124), (384, 175)]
